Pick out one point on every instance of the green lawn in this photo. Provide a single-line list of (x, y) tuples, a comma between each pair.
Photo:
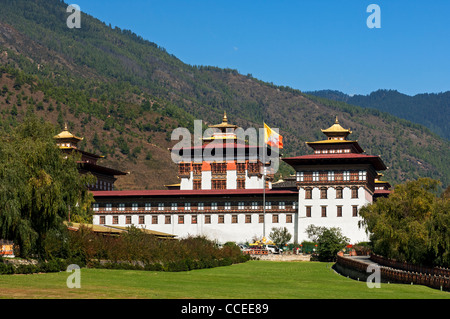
[(254, 279)]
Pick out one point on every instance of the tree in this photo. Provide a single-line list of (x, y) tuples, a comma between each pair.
[(38, 187), (313, 232), (280, 236), (330, 241), (412, 224)]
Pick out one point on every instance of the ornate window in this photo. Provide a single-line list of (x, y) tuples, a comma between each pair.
[(324, 211), (218, 168), (339, 192), (354, 192), (308, 211), (315, 176), (219, 184), (197, 184), (240, 168), (362, 175), (331, 175), (346, 175), (197, 168), (339, 211), (184, 168), (308, 193)]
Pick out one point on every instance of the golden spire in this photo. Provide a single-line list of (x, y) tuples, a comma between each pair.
[(336, 131), (65, 134), (224, 123)]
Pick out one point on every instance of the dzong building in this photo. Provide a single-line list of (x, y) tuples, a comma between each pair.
[(233, 198)]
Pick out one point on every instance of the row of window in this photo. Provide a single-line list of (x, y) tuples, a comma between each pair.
[(219, 168), (195, 219), (331, 176), (332, 151), (234, 217), (324, 192), (324, 211), (200, 206), (219, 184), (101, 185)]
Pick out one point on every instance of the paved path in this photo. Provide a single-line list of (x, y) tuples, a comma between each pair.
[(364, 259)]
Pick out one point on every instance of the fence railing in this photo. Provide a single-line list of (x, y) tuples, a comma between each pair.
[(393, 275), (438, 271)]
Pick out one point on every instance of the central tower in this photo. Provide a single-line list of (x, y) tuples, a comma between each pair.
[(238, 168)]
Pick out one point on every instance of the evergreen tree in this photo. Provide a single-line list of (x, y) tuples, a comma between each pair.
[(412, 224), (39, 187)]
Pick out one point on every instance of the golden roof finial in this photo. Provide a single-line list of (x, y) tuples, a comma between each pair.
[(225, 119), (337, 121), (65, 134)]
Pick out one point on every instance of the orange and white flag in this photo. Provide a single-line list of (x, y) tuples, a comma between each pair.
[(272, 138)]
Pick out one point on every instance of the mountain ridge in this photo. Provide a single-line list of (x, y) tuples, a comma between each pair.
[(131, 94), (429, 109)]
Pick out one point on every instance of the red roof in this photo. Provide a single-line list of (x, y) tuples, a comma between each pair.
[(203, 192), (336, 158), (101, 169)]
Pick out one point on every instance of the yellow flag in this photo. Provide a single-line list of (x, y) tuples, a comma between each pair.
[(272, 138)]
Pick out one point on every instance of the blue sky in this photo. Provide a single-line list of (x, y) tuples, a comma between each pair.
[(307, 45)]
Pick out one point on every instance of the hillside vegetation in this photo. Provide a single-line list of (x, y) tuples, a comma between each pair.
[(125, 95), (429, 109)]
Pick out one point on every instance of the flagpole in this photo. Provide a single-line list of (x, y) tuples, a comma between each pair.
[(264, 184), (264, 192)]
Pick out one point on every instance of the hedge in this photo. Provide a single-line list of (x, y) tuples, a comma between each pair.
[(57, 265)]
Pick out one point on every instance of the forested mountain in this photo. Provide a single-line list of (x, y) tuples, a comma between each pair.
[(125, 95), (429, 109)]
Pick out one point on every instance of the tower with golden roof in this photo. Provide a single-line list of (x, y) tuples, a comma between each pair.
[(239, 167), (106, 176), (335, 182)]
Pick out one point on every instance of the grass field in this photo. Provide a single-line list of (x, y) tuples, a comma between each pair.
[(251, 280)]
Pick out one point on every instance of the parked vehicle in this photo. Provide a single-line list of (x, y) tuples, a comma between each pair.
[(272, 249)]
